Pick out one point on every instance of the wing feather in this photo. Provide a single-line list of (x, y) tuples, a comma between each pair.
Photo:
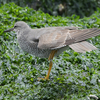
[(60, 37)]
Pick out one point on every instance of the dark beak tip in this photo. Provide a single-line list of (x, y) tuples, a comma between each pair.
[(4, 31), (9, 30)]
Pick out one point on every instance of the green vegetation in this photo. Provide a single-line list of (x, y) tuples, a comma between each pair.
[(60, 7), (74, 76)]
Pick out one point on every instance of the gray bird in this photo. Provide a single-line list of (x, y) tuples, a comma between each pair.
[(51, 41)]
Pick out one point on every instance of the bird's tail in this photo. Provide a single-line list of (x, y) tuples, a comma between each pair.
[(82, 47)]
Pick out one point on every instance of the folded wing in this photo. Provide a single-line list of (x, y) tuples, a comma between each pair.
[(72, 37)]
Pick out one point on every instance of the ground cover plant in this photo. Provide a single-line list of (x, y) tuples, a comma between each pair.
[(74, 76), (60, 7)]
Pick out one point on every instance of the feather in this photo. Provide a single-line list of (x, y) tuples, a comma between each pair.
[(82, 47)]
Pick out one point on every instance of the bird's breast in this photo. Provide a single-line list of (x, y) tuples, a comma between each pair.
[(31, 48)]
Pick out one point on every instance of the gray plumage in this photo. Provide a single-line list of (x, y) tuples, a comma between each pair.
[(40, 42)]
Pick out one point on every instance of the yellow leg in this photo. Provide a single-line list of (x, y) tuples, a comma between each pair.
[(50, 65), (52, 54)]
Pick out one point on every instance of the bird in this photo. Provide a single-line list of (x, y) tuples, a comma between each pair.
[(49, 42)]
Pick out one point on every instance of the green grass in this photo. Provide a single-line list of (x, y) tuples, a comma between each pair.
[(74, 76)]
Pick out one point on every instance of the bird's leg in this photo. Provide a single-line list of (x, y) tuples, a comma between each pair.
[(50, 64), (52, 54)]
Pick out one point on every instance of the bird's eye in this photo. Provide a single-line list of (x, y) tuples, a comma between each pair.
[(15, 26)]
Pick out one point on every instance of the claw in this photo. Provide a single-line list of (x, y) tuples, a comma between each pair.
[(46, 78)]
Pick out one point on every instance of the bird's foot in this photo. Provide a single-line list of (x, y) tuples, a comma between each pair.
[(46, 78)]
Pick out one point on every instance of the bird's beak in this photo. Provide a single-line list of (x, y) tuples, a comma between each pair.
[(9, 30)]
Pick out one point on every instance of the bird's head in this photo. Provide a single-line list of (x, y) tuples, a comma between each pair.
[(19, 26)]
